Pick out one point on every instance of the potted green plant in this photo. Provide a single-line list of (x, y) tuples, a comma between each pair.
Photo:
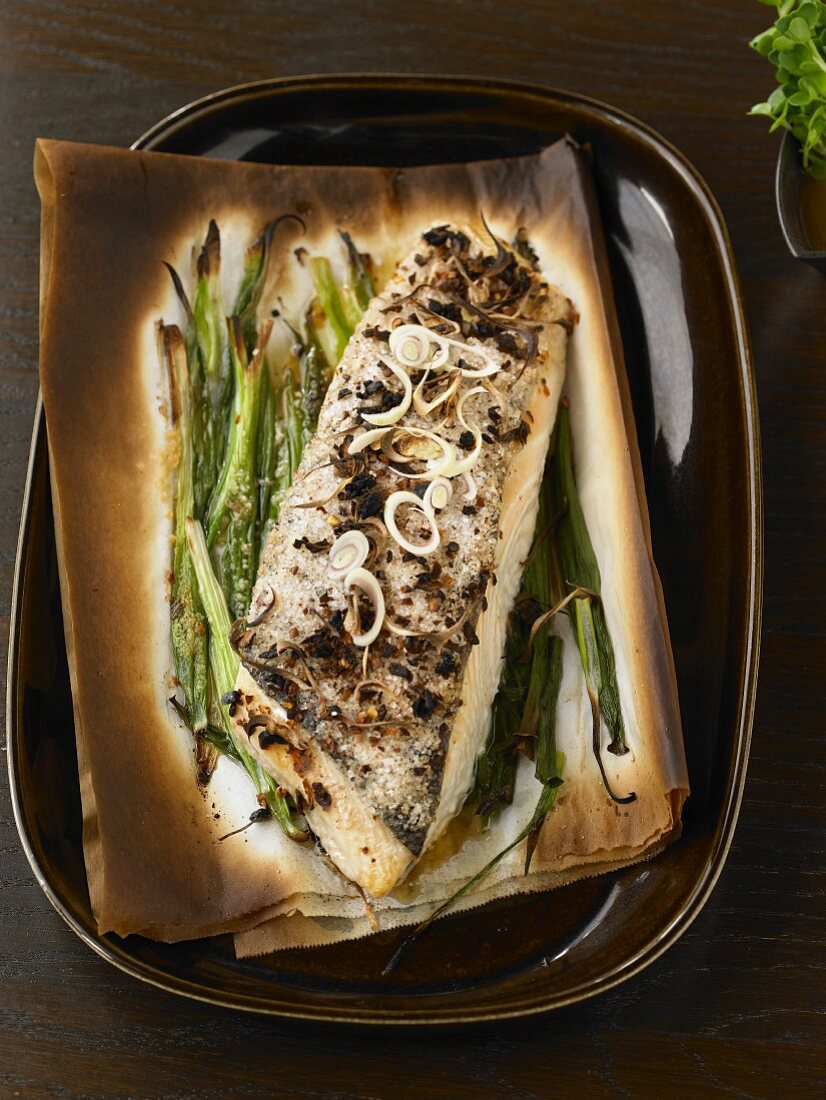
[(796, 45)]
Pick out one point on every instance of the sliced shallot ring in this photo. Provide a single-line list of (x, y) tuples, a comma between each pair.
[(366, 439), (392, 416), (422, 549), (349, 551), (364, 580)]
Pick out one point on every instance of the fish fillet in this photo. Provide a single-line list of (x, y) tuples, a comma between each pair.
[(379, 743)]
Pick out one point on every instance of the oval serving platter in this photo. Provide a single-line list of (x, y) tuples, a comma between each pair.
[(694, 402)]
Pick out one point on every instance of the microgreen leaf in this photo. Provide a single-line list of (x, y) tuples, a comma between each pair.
[(796, 45)]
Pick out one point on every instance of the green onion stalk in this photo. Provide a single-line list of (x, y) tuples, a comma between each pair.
[(299, 386), (256, 265), (315, 372), (496, 768), (359, 288), (269, 450), (232, 519), (189, 633), (206, 448), (578, 565), (288, 436), (208, 318), (328, 316), (337, 308), (224, 664), (539, 714), (524, 714), (267, 427), (524, 710)]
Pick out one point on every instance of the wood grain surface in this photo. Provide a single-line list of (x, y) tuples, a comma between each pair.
[(737, 1006)]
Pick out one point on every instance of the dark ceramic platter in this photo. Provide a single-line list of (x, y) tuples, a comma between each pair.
[(694, 402)]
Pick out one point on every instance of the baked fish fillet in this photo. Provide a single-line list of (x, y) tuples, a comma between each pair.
[(378, 742)]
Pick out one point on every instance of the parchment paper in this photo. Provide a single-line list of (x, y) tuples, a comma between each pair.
[(151, 837)]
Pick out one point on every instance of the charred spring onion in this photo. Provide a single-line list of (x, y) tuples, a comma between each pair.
[(331, 306), (578, 566), (232, 518), (189, 636), (524, 711), (224, 664), (242, 424), (524, 721)]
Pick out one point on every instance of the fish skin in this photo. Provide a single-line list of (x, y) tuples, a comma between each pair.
[(394, 771)]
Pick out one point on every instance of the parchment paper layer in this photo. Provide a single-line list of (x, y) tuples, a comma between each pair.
[(151, 838)]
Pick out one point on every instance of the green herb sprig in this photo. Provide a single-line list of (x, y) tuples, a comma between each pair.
[(796, 45)]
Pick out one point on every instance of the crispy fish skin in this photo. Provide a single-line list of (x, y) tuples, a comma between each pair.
[(381, 745)]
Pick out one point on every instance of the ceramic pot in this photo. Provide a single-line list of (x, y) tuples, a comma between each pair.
[(796, 195)]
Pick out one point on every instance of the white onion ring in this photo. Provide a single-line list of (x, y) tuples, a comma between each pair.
[(364, 579), (348, 552), (422, 549)]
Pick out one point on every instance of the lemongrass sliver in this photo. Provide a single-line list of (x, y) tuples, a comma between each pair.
[(470, 485), (438, 494), (394, 501), (491, 366), (364, 580), (463, 465), (349, 551), (424, 407), (392, 416), (436, 467), (366, 439), (412, 347)]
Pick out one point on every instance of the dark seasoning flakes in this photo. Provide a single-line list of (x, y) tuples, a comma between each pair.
[(387, 722)]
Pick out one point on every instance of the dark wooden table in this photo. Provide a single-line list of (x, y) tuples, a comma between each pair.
[(737, 1006)]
